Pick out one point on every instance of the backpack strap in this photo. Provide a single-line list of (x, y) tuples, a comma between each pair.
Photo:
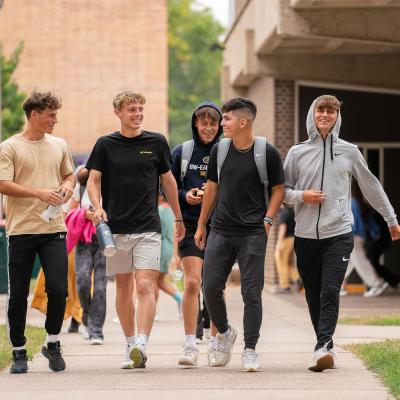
[(260, 157), (223, 148), (187, 151)]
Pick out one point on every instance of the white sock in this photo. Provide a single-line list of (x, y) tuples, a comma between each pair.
[(213, 342), (19, 348), (142, 340), (191, 340), (51, 339), (130, 339)]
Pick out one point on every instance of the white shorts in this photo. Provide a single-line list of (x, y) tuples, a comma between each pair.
[(135, 251)]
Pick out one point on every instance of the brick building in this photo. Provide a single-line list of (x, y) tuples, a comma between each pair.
[(86, 51), (284, 53)]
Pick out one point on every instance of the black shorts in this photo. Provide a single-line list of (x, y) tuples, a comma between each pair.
[(187, 247)]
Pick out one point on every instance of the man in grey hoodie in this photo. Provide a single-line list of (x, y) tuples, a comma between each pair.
[(318, 175)]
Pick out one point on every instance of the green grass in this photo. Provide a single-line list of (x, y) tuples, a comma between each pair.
[(35, 339), (382, 358), (384, 320)]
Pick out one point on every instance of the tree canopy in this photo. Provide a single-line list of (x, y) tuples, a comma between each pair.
[(11, 99), (194, 63)]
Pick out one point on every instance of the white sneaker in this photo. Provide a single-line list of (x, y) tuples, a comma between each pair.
[(189, 356), (96, 341), (376, 290), (250, 361), (127, 363), (207, 333), (335, 358), (322, 360), (83, 331), (343, 292), (211, 355), (225, 344), (138, 356)]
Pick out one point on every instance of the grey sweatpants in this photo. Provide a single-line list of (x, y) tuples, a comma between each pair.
[(89, 258)]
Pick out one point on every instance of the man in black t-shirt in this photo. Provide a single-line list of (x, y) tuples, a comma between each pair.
[(125, 169), (239, 228)]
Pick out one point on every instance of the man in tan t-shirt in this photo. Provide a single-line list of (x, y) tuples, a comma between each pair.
[(36, 174)]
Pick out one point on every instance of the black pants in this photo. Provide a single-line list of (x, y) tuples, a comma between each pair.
[(322, 265), (52, 252), (221, 253)]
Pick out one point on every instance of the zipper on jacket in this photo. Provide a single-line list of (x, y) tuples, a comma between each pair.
[(322, 185)]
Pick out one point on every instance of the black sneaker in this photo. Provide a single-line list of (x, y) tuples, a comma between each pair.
[(53, 353), (19, 363), (73, 326)]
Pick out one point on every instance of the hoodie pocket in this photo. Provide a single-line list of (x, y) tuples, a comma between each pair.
[(331, 215), (345, 211)]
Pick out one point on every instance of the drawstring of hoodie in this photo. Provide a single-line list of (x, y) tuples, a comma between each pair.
[(332, 147)]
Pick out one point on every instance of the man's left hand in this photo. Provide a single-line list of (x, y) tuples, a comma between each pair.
[(180, 230), (395, 232), (267, 228), (66, 190)]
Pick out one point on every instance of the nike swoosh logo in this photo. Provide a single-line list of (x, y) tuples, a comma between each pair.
[(338, 154), (345, 259), (258, 155)]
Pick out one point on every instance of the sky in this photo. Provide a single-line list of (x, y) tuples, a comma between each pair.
[(220, 9)]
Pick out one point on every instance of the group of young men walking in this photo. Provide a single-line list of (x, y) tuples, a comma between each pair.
[(224, 194)]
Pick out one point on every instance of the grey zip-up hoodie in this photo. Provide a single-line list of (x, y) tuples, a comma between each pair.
[(329, 165)]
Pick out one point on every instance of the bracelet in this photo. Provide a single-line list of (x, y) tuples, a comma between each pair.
[(179, 220), (268, 220)]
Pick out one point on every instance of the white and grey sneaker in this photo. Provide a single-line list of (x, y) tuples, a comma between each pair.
[(83, 331), (335, 358), (322, 360), (250, 361), (189, 356), (225, 344), (127, 363), (377, 290), (207, 333)]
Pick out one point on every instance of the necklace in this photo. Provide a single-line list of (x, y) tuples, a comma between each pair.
[(243, 150)]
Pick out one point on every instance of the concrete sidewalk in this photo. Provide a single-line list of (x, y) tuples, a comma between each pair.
[(285, 347)]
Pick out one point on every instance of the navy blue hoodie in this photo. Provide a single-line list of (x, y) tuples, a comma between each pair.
[(196, 175)]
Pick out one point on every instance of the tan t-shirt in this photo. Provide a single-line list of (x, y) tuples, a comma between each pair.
[(35, 164)]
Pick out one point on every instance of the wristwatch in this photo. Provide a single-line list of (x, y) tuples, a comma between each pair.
[(268, 220)]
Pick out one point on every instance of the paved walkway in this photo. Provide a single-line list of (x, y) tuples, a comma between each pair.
[(285, 347)]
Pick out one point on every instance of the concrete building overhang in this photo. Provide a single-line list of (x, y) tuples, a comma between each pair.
[(313, 4)]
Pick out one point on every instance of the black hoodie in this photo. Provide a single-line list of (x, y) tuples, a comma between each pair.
[(196, 175)]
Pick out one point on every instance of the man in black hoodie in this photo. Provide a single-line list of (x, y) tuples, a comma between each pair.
[(206, 130)]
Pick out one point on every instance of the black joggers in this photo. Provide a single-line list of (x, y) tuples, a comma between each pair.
[(52, 252), (221, 253), (322, 265)]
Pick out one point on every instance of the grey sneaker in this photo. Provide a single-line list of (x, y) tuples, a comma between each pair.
[(138, 356), (127, 363), (225, 344), (189, 356), (377, 290), (250, 361), (335, 358), (322, 360)]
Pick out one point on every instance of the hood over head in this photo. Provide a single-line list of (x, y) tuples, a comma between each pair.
[(312, 128), (195, 133)]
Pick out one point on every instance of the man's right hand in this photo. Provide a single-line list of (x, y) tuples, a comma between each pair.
[(191, 198), (49, 196), (313, 196), (99, 215), (200, 237)]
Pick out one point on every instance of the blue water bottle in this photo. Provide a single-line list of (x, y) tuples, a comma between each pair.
[(106, 239)]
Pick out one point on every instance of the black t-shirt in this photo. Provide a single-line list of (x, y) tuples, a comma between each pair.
[(241, 206), (130, 170), (286, 216)]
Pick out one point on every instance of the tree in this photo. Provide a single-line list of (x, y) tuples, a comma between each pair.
[(11, 100), (194, 65)]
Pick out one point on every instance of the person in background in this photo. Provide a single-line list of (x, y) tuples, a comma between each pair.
[(167, 252), (284, 251)]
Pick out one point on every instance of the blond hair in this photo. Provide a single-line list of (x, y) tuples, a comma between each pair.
[(127, 97), (327, 101)]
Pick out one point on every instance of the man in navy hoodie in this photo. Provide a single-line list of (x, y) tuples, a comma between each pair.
[(206, 130)]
